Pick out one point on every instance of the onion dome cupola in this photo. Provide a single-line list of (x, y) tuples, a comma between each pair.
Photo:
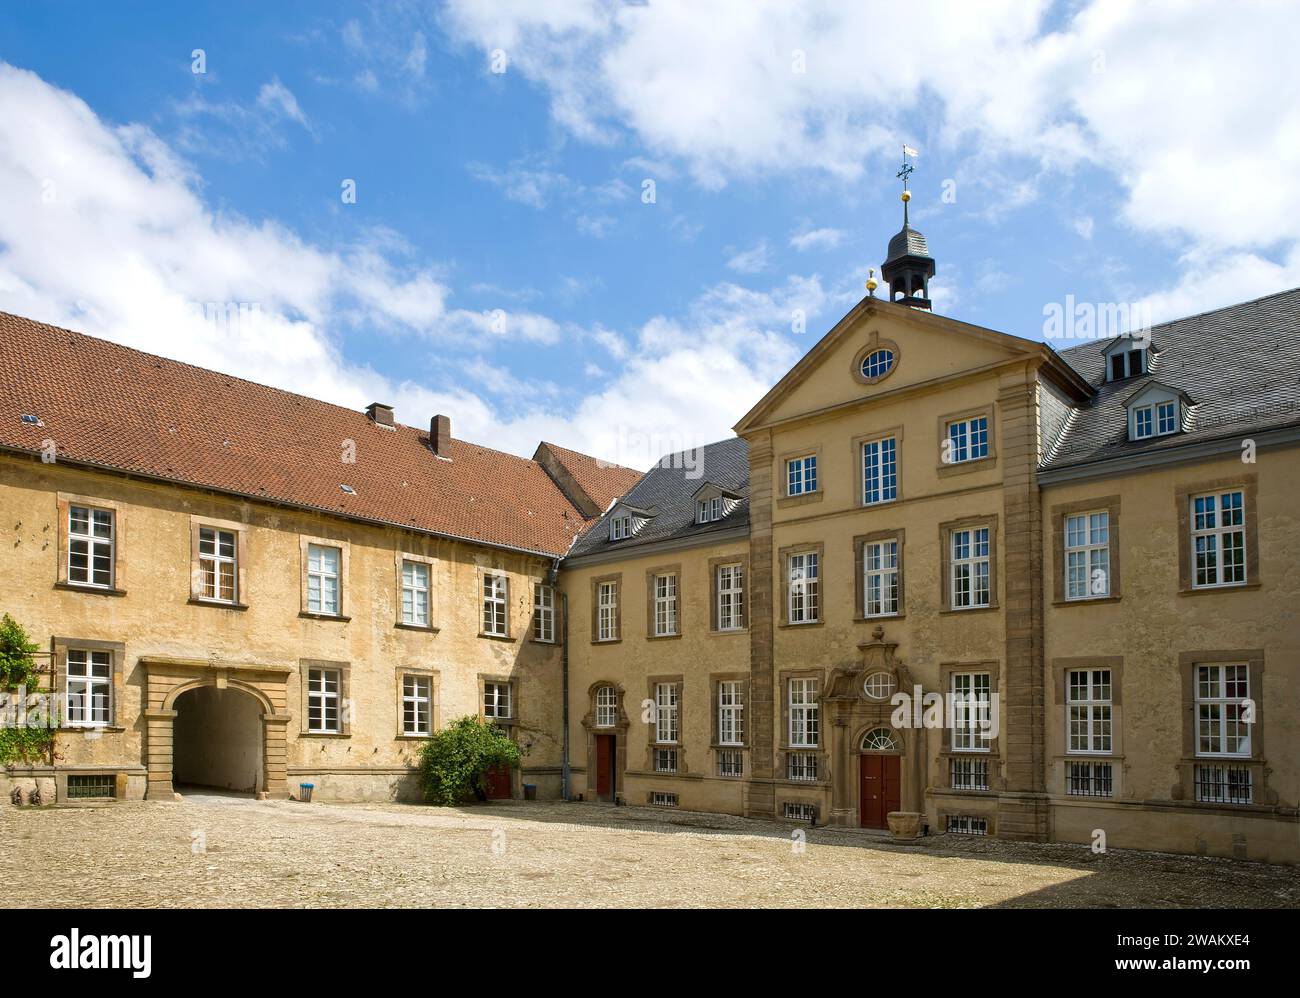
[(908, 266)]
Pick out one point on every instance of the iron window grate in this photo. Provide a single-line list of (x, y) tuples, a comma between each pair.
[(85, 786), (1224, 784), (1089, 779)]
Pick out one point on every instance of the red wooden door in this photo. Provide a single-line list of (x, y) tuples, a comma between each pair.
[(880, 790), (604, 770), (498, 783)]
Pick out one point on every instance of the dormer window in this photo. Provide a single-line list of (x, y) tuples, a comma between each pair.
[(620, 527), (1127, 358), (708, 510), (1155, 411)]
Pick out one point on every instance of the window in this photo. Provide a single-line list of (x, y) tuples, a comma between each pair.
[(1224, 784), (1166, 418), (801, 475), (880, 578), (496, 701), (90, 786), (877, 364), (968, 439), (90, 546), (665, 605), (1156, 420), (417, 696), (620, 528), (878, 686), (731, 763), (322, 579), (543, 612), (804, 731), (89, 688), (1127, 364), (1089, 779), (879, 740), (1219, 539), (707, 510), (665, 760), (968, 774), (971, 718), (494, 604), (666, 712), (731, 713), (801, 766), (731, 597), (880, 471), (1087, 556), (965, 824), (1223, 710), (660, 799), (607, 611), (606, 707), (218, 564), (804, 588), (1088, 710), (323, 701), (799, 811), (415, 593), (970, 568)]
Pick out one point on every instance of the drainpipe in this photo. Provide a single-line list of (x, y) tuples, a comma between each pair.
[(566, 775)]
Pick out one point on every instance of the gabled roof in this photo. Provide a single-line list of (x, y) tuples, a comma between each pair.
[(1241, 364), (589, 482), (669, 489), (116, 408), (1154, 385)]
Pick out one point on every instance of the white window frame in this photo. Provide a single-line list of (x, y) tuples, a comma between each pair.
[(971, 694), (801, 475), (212, 560), (966, 437), (880, 578), (88, 690), (494, 617), (606, 707), (1087, 550), (607, 611), (968, 565), (804, 598), (667, 714), (620, 528), (1089, 719), (96, 544), (322, 576), (708, 510), (544, 612), (666, 616), (324, 700), (417, 705), (415, 590), (879, 471), (1128, 354), (1208, 529), (731, 597), (731, 713), (498, 700), (804, 711), (1222, 696)]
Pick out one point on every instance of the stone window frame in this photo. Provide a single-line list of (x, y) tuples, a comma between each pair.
[(344, 669), (1110, 505), (783, 558), (402, 555), (480, 575), (652, 729), (651, 581), (993, 753), (714, 565), (435, 699), (240, 530), (714, 726), (596, 582), (534, 585), (859, 569), (989, 411), (859, 469), (822, 749), (783, 498), (63, 500), (1060, 669), (508, 723), (945, 562), (345, 564), (59, 647), (1184, 493), (874, 343), (1257, 761)]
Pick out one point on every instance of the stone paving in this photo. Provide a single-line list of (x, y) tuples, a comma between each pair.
[(208, 850)]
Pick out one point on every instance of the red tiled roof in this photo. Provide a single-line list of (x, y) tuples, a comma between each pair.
[(602, 481), (119, 408)]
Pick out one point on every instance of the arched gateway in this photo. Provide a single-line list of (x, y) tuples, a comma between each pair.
[(169, 679), (876, 768)]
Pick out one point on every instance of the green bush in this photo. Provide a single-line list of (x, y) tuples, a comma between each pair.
[(17, 666), (454, 763)]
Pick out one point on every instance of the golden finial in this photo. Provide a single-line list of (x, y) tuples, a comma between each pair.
[(907, 195), (871, 282)]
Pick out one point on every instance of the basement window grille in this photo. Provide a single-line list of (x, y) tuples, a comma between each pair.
[(969, 774), (965, 824), (731, 763), (660, 799), (90, 786), (800, 812), (1089, 779), (1224, 784), (665, 760)]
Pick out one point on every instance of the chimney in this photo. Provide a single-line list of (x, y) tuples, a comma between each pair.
[(440, 434), (380, 413)]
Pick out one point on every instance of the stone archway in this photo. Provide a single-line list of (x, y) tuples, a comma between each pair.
[(597, 746), (168, 679)]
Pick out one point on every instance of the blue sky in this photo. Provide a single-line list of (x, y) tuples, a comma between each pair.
[(500, 262)]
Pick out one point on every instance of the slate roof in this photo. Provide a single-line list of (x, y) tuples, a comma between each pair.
[(1240, 366), (907, 242), (111, 406), (669, 489)]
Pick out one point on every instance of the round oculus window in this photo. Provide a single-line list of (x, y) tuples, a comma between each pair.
[(877, 364), (878, 686)]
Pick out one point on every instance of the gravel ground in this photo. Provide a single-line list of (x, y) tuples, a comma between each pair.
[(218, 851)]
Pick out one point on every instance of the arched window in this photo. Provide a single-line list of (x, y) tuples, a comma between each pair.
[(879, 740), (606, 707)]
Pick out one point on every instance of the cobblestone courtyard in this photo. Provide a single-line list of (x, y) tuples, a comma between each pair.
[(210, 850)]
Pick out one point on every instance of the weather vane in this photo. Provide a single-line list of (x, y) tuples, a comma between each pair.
[(907, 169)]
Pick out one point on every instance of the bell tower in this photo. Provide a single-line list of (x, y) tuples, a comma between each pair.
[(908, 265)]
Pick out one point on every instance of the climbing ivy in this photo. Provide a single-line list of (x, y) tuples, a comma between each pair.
[(19, 671)]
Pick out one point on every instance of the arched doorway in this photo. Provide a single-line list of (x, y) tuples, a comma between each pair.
[(879, 777), (217, 740)]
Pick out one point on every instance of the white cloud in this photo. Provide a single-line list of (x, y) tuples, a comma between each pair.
[(817, 239), (752, 260), (240, 131)]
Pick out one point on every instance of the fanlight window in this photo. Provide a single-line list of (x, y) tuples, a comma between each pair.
[(878, 686), (877, 364), (879, 740)]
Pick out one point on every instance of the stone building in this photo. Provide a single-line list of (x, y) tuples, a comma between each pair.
[(943, 578)]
